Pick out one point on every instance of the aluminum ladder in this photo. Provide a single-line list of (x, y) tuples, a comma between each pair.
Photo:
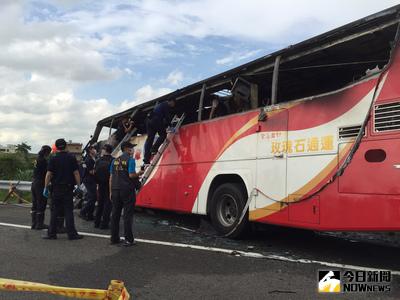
[(176, 123), (127, 137)]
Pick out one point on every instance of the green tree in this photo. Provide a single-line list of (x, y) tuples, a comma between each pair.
[(17, 166), (23, 148)]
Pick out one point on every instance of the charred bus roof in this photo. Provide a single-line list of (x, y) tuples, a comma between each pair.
[(345, 52)]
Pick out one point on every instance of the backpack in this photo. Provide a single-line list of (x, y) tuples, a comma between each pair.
[(102, 169)]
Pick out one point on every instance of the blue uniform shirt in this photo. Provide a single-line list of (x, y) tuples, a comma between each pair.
[(162, 111)]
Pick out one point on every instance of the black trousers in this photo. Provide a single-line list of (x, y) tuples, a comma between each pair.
[(104, 206), (91, 198), (39, 202), (154, 125), (61, 201), (122, 199)]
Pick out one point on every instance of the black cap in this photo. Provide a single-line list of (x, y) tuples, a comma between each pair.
[(61, 144), (127, 145), (108, 148)]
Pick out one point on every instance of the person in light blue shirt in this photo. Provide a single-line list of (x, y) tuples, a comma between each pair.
[(131, 165)]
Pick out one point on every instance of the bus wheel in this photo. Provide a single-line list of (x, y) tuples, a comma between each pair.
[(227, 205)]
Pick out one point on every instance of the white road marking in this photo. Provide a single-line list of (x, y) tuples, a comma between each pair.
[(230, 252)]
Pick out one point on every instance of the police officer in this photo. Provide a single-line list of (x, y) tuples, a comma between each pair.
[(39, 202), (122, 187), (89, 181), (60, 216), (62, 172), (102, 173), (157, 123)]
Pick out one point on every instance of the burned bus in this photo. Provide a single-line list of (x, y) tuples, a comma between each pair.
[(312, 139)]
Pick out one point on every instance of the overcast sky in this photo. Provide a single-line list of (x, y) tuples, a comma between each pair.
[(65, 64)]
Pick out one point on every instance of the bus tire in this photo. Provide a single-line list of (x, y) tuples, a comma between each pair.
[(226, 207)]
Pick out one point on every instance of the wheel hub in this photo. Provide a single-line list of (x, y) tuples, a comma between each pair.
[(227, 210)]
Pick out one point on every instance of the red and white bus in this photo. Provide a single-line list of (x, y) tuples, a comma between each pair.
[(316, 145)]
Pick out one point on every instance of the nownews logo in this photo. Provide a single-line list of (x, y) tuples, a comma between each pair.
[(331, 281)]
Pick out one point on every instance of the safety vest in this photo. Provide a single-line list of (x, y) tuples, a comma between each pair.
[(120, 174)]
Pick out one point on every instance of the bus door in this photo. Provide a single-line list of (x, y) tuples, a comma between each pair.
[(272, 161)]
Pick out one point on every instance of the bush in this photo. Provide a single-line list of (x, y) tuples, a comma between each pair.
[(24, 175), (15, 166)]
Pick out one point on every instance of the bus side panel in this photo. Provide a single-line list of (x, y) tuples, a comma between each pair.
[(343, 212), (369, 189), (175, 184), (367, 195), (391, 88), (162, 193), (189, 180), (373, 169)]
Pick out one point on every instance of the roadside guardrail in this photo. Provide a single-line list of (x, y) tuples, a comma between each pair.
[(22, 185)]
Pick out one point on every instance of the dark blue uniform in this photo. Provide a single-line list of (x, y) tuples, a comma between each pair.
[(104, 206), (123, 196), (156, 123), (89, 181), (39, 202), (62, 165)]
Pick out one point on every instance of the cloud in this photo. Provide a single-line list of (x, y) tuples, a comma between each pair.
[(40, 116), (128, 71), (40, 109), (235, 57), (175, 77), (151, 25), (146, 93), (83, 39), (50, 47), (268, 21)]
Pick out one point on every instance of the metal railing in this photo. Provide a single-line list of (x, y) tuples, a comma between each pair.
[(21, 185)]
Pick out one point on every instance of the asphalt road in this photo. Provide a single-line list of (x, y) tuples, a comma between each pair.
[(154, 271)]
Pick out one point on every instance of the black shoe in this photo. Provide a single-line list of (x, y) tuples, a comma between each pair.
[(116, 242), (104, 227), (127, 243), (49, 237), (34, 222), (40, 222), (75, 237)]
